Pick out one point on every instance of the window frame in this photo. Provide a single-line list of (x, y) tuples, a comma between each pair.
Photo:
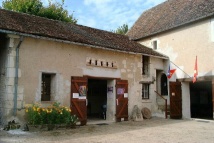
[(52, 87), (46, 96), (147, 91), (145, 65), (154, 44)]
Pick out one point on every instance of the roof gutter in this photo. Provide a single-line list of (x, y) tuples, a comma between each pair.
[(166, 58), (80, 44)]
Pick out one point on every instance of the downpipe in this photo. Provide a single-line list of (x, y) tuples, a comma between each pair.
[(16, 76)]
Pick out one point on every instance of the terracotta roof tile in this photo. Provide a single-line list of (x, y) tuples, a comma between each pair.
[(169, 15), (38, 26)]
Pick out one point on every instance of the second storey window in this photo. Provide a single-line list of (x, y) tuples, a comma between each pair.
[(145, 62), (155, 44)]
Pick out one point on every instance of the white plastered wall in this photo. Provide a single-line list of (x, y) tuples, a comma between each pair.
[(182, 45), (185, 100), (111, 98), (65, 60)]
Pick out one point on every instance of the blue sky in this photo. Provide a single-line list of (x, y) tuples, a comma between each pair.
[(106, 14)]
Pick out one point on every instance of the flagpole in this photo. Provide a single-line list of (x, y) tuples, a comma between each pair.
[(180, 69)]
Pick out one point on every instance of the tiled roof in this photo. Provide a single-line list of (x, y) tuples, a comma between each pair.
[(38, 26), (169, 15)]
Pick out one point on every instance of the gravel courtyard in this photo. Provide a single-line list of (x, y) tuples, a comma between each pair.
[(146, 131)]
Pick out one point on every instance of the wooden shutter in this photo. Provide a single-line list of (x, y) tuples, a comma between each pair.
[(79, 104), (175, 100), (121, 100)]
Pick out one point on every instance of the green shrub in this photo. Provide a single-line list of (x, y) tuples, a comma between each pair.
[(54, 114)]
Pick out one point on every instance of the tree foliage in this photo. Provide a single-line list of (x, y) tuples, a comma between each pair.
[(35, 7), (122, 29), (25, 6)]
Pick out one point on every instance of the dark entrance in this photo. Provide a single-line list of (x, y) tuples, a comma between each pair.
[(97, 99), (164, 89), (201, 100)]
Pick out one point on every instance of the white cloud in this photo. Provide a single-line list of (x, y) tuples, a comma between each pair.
[(154, 2), (127, 12), (107, 14), (96, 2), (88, 21), (45, 2), (110, 14)]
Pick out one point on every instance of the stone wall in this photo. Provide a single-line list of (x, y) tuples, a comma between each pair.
[(8, 58), (64, 60), (3, 61)]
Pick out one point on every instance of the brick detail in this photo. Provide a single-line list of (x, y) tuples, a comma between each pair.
[(101, 63)]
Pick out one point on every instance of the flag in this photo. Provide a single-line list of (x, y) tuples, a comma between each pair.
[(170, 72), (195, 71)]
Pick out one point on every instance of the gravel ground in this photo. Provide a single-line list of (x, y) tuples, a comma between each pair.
[(146, 131)]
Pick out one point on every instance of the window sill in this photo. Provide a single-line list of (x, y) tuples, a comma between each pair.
[(47, 103), (146, 101)]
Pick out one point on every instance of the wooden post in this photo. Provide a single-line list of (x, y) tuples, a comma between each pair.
[(166, 112)]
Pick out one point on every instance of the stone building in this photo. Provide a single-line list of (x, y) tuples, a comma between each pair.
[(183, 29), (45, 61)]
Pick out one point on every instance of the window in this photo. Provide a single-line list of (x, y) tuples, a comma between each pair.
[(154, 44), (145, 61), (47, 86), (145, 91)]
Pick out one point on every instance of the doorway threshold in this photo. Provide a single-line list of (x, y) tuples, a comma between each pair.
[(203, 120), (98, 122)]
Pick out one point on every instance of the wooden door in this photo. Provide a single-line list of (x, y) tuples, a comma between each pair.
[(79, 98), (121, 100), (175, 100)]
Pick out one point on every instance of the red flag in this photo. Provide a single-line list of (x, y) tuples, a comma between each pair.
[(170, 72), (195, 71)]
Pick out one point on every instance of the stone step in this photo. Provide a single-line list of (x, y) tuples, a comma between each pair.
[(162, 107)]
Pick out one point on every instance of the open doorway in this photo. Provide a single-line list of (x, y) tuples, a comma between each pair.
[(201, 100), (164, 87), (97, 99)]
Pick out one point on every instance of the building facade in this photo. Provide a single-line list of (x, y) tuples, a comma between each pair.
[(183, 37), (79, 67)]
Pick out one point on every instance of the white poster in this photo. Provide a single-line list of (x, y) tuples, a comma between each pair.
[(75, 95), (125, 95), (110, 95), (82, 97)]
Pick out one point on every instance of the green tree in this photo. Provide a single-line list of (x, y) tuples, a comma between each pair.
[(25, 6), (35, 7), (122, 29), (57, 12)]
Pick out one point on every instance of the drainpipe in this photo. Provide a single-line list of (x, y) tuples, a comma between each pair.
[(16, 76)]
